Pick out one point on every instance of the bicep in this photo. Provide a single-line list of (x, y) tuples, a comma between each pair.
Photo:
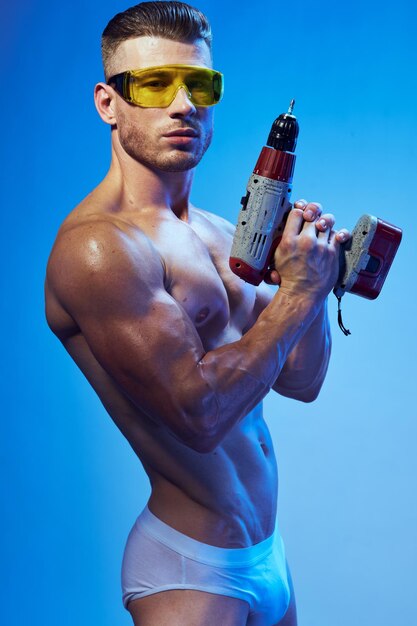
[(150, 353), (137, 332)]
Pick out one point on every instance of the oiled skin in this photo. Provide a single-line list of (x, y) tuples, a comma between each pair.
[(180, 350), (226, 497)]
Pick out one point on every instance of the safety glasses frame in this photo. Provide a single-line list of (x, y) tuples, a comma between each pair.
[(122, 83)]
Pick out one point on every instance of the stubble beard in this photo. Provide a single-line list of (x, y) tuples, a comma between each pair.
[(141, 146)]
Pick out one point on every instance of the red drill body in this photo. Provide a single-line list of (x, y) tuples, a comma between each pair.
[(365, 260), (267, 202)]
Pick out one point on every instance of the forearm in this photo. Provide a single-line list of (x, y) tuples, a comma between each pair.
[(304, 371), (225, 384), (235, 377)]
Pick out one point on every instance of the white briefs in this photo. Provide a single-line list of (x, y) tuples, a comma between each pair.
[(159, 558)]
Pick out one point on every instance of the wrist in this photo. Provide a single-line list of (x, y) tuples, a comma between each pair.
[(291, 310), (301, 299)]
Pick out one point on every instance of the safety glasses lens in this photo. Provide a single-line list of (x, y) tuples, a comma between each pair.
[(157, 87)]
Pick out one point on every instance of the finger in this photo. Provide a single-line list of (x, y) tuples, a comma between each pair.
[(338, 237), (343, 235), (332, 239), (272, 277), (312, 211), (325, 224), (294, 224)]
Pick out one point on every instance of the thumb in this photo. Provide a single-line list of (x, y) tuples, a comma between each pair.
[(272, 277)]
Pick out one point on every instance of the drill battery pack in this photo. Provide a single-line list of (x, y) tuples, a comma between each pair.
[(366, 259)]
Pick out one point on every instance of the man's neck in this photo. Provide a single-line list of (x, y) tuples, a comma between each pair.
[(143, 187)]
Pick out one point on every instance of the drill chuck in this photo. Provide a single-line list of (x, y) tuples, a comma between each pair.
[(284, 131)]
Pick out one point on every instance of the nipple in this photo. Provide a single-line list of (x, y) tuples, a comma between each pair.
[(202, 315)]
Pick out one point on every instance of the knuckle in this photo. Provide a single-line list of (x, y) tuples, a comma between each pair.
[(287, 243), (315, 206), (333, 255), (307, 243), (301, 202), (295, 213), (322, 244)]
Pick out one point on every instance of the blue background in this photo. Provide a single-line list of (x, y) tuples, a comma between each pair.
[(71, 486)]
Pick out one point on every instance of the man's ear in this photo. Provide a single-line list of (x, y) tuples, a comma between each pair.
[(104, 99)]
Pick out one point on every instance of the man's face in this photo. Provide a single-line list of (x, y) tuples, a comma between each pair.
[(146, 134)]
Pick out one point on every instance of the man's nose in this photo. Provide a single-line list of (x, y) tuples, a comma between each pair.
[(181, 104)]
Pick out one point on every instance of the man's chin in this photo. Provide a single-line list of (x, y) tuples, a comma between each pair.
[(179, 162)]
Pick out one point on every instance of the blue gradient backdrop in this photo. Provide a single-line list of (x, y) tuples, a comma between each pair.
[(71, 486)]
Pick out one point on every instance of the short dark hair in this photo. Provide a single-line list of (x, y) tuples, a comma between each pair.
[(171, 20)]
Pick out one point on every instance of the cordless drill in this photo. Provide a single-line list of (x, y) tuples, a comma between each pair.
[(365, 259)]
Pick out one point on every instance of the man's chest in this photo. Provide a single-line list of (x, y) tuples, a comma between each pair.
[(195, 256)]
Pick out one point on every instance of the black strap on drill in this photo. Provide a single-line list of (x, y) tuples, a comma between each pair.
[(342, 327)]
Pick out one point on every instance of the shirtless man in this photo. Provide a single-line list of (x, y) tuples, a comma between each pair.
[(180, 351)]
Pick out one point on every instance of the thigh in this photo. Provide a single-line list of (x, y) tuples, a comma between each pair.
[(290, 617), (187, 607)]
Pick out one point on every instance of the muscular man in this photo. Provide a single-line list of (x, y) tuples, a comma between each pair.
[(180, 351)]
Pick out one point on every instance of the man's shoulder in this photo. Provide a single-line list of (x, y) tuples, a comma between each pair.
[(98, 249), (99, 235), (217, 220), (98, 215)]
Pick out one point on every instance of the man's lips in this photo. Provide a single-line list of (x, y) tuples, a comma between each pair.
[(182, 132)]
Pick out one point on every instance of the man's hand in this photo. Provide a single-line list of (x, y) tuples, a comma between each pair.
[(307, 264), (307, 258)]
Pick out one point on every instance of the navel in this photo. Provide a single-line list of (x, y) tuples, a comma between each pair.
[(265, 449)]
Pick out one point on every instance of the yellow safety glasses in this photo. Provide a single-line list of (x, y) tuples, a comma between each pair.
[(158, 86)]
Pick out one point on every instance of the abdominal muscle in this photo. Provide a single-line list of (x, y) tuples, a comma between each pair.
[(226, 498)]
